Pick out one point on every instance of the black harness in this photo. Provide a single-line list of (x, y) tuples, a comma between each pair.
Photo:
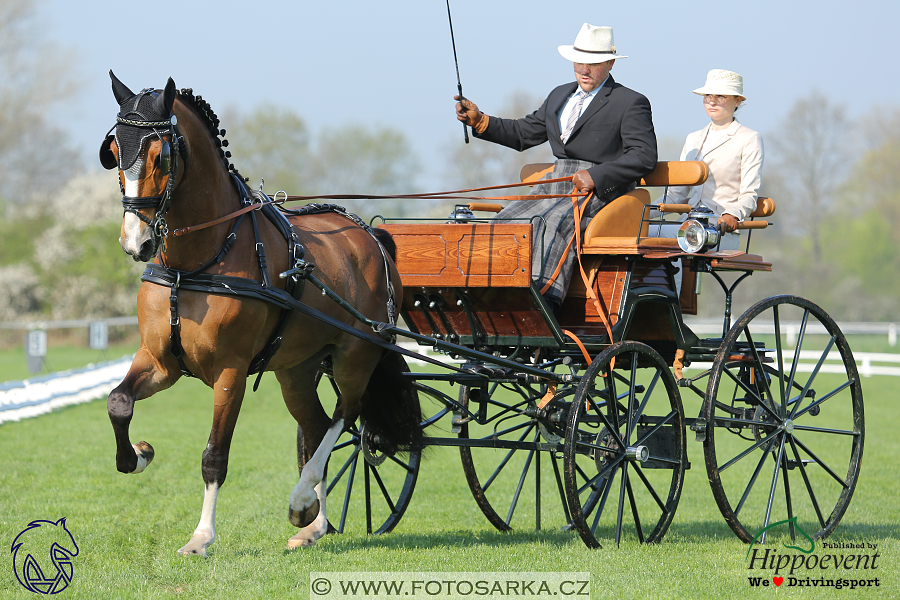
[(196, 280)]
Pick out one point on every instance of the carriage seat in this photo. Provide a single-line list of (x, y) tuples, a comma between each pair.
[(616, 226)]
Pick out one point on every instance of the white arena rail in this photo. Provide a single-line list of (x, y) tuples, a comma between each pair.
[(39, 395)]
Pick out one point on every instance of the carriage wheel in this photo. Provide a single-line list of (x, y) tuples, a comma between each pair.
[(783, 439), (625, 447), (388, 480), (513, 487)]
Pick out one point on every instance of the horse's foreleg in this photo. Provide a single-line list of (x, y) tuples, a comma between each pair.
[(306, 504), (143, 380), (229, 393)]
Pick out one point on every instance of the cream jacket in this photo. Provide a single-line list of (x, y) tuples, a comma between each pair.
[(735, 162)]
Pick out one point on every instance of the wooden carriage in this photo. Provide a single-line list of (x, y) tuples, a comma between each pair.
[(616, 419)]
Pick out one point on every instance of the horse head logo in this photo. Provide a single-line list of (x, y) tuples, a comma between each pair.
[(44, 543), (792, 522)]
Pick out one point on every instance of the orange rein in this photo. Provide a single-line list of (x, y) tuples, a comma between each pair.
[(452, 195)]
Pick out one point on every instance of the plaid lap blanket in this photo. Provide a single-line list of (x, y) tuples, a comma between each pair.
[(559, 221)]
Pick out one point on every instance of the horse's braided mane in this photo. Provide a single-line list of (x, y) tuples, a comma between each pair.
[(202, 108)]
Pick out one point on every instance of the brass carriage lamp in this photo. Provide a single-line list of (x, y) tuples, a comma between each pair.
[(696, 234)]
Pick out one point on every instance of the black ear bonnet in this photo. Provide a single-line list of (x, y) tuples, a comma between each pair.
[(143, 115), (141, 108)]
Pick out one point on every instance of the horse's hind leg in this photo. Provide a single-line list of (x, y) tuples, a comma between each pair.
[(298, 386), (229, 393)]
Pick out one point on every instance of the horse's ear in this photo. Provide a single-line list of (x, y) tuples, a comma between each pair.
[(120, 90), (107, 158), (164, 101)]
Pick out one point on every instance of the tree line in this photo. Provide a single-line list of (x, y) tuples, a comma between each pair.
[(836, 182)]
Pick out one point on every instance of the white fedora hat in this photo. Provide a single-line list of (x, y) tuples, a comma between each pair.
[(592, 45), (720, 82)]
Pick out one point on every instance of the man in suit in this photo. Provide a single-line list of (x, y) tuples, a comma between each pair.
[(601, 134)]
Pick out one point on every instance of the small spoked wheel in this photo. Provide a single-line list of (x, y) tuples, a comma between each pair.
[(517, 482), (625, 447), (784, 421), (364, 484)]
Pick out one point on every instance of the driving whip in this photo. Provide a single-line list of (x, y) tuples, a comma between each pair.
[(456, 60)]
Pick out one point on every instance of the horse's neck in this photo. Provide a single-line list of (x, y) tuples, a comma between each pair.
[(201, 197)]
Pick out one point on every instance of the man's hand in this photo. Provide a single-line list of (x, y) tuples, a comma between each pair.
[(727, 223), (467, 112), (583, 182)]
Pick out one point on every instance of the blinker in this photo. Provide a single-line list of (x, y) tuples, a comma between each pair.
[(165, 157)]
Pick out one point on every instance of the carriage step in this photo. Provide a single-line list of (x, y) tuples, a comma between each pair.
[(699, 427), (457, 421), (793, 464)]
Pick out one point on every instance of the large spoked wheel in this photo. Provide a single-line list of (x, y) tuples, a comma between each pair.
[(784, 421), (364, 481), (518, 482), (625, 447)]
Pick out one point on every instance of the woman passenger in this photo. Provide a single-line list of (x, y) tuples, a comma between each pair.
[(734, 154)]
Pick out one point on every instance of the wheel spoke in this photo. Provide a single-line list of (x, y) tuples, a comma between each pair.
[(621, 507), (787, 497), (757, 361), (780, 354), (381, 486), (772, 488), (806, 482), (346, 505), (826, 397), (812, 375), (634, 512), (649, 486), (800, 336), (350, 461), (406, 467), (756, 472), (743, 454), (518, 492), (819, 462), (504, 462)]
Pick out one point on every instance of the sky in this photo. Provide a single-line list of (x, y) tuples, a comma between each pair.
[(390, 63)]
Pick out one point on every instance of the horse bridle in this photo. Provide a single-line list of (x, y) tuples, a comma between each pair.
[(168, 162)]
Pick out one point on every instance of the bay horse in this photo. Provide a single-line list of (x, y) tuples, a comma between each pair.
[(194, 320)]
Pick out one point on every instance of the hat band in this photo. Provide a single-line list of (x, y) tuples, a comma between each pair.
[(594, 51)]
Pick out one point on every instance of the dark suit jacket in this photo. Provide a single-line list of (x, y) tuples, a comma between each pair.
[(615, 131)]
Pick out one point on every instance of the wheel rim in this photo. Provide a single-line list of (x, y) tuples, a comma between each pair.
[(365, 487), (784, 447), (524, 487), (625, 458)]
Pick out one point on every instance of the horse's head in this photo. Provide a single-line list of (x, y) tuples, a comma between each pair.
[(145, 148)]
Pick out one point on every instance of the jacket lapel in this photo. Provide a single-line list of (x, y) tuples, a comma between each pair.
[(729, 133), (554, 106)]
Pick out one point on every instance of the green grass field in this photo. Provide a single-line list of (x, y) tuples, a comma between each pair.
[(129, 526)]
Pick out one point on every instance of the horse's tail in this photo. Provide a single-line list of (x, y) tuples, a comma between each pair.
[(383, 236), (392, 413)]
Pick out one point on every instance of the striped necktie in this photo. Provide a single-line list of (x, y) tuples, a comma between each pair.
[(573, 116)]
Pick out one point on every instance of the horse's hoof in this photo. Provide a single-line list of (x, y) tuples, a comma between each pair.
[(145, 454), (302, 518), (187, 551)]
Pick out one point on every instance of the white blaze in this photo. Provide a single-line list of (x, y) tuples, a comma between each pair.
[(131, 225)]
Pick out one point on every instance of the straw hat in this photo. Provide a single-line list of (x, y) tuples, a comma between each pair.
[(592, 45), (720, 82)]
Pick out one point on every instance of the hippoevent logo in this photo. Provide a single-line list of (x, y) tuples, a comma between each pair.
[(802, 566), (42, 556)]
